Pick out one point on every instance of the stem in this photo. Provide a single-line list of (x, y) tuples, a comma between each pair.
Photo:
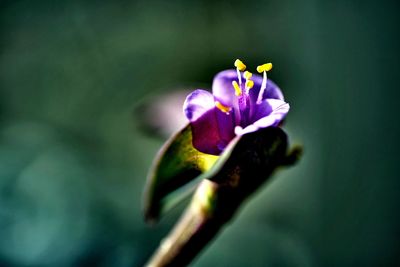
[(199, 224), (251, 163)]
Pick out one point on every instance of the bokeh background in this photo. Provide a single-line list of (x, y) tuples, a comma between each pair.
[(75, 75)]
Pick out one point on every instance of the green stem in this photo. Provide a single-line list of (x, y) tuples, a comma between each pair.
[(199, 224), (217, 198)]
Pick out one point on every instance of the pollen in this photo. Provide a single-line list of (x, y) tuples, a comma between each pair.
[(249, 84), (222, 107), (247, 74), (240, 65), (264, 67), (236, 86)]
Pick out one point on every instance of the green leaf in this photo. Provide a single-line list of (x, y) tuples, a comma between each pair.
[(172, 174)]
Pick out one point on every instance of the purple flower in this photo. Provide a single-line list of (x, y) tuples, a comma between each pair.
[(240, 103)]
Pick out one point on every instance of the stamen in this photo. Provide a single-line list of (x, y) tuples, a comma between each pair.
[(236, 86), (222, 107), (240, 65), (247, 74), (249, 84), (264, 67)]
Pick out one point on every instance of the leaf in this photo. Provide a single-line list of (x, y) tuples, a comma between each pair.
[(172, 174)]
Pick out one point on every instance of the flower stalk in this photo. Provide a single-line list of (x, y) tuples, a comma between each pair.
[(216, 200)]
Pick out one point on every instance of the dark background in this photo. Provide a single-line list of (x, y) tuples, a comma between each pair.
[(73, 159)]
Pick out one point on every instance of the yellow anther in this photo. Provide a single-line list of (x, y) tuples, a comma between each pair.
[(264, 67), (249, 84), (247, 74), (239, 65), (236, 86), (222, 107)]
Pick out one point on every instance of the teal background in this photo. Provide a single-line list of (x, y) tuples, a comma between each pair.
[(73, 157)]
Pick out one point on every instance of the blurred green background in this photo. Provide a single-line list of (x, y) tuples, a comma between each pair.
[(73, 157)]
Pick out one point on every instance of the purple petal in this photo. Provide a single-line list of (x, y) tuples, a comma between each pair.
[(269, 113), (222, 87), (261, 110), (197, 103), (249, 129), (212, 132), (279, 110), (272, 90), (226, 125)]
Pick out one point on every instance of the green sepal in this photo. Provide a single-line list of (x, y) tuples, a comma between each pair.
[(172, 175), (249, 160)]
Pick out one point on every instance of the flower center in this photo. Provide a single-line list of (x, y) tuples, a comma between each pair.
[(243, 110)]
